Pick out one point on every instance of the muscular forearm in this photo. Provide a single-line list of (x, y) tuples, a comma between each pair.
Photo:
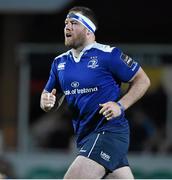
[(138, 87)]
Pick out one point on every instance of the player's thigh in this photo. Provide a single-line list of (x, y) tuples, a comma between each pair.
[(84, 168), (121, 173)]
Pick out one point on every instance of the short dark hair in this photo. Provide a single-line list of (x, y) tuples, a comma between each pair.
[(86, 12)]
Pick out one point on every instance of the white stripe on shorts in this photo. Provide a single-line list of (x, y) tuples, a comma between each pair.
[(93, 144)]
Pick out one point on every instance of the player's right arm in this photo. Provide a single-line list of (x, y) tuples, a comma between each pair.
[(48, 98)]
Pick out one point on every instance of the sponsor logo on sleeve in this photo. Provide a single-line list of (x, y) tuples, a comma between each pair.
[(127, 60)]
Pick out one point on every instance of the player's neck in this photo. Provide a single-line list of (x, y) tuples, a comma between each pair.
[(77, 51)]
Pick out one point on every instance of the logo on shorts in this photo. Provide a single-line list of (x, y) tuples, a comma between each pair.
[(104, 156), (82, 150)]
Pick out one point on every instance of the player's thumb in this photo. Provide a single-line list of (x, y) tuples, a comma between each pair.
[(53, 92)]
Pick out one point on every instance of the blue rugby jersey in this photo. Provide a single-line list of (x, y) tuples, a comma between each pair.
[(93, 78)]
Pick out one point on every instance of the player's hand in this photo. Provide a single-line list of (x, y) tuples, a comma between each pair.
[(110, 110), (48, 100)]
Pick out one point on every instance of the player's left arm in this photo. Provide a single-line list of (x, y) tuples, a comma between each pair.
[(127, 70), (138, 86)]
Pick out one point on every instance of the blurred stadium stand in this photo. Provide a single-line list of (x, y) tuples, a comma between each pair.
[(32, 6), (31, 34)]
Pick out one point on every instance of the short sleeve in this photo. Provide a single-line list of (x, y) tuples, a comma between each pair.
[(122, 66), (53, 81)]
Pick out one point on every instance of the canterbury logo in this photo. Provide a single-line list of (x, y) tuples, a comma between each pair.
[(61, 66)]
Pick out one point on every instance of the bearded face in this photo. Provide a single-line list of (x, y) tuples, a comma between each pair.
[(75, 34)]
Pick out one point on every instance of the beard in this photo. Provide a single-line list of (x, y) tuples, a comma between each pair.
[(76, 42)]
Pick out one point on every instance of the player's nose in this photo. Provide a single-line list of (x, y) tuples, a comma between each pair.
[(68, 27)]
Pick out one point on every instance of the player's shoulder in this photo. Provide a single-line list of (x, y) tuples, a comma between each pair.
[(63, 55), (107, 48), (104, 47)]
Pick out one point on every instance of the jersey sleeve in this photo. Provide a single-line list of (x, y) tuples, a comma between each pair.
[(122, 66), (53, 81)]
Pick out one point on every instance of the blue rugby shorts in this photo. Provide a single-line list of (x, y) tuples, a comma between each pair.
[(107, 148)]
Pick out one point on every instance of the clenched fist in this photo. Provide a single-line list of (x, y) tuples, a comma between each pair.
[(48, 100)]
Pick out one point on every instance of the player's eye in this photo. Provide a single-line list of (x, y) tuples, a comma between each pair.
[(74, 22)]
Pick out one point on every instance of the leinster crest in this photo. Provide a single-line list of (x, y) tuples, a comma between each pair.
[(93, 62)]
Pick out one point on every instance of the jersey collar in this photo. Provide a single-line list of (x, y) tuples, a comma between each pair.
[(88, 47), (82, 52)]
